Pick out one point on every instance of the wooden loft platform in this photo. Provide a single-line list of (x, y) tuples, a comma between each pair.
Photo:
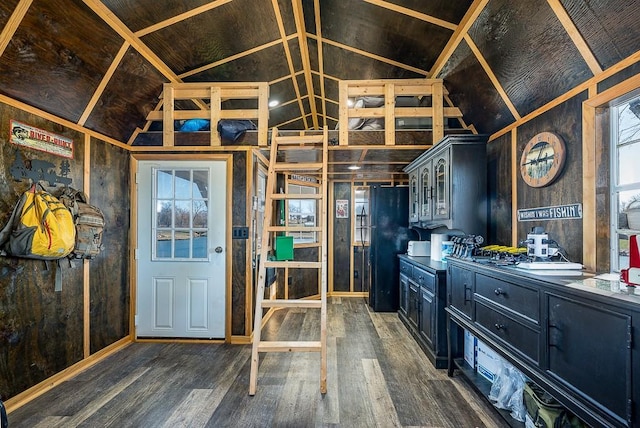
[(430, 92), (194, 100), (184, 101)]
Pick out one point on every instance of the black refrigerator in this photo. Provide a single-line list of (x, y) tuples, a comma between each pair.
[(389, 237)]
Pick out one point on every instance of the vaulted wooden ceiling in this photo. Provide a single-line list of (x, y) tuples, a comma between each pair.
[(102, 63)]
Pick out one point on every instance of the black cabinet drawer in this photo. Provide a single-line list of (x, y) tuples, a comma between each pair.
[(424, 279), (521, 300), (460, 290), (406, 268), (521, 337)]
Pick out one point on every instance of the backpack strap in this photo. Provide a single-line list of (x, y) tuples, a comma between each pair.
[(5, 233)]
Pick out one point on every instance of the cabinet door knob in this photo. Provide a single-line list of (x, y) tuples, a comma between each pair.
[(499, 291), (499, 326)]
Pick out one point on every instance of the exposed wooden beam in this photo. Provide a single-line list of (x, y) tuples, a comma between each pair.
[(589, 173), (467, 21), (316, 9), (492, 76), (576, 37), (371, 55), (515, 168), (174, 19), (412, 13), (306, 63), (118, 26), (12, 25), (103, 83)]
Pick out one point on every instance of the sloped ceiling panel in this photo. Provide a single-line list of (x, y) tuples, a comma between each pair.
[(476, 96), (47, 64), (262, 66), (140, 14), (529, 51), (214, 35), (129, 96), (610, 27), (447, 10), (383, 32), (347, 65), (6, 9)]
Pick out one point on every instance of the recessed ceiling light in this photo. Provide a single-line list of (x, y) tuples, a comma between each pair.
[(273, 103), (353, 167)]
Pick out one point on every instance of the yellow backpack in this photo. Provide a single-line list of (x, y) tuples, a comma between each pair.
[(40, 227)]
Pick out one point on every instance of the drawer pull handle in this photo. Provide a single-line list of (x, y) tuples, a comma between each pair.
[(420, 278), (499, 326), (499, 291)]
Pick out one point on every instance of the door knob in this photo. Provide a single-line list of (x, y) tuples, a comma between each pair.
[(218, 250)]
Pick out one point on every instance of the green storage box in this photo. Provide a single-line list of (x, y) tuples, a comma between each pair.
[(284, 247)]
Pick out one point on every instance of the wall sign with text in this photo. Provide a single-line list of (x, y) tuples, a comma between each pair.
[(558, 212), (39, 139)]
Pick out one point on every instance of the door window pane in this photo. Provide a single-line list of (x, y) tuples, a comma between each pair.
[(181, 198)]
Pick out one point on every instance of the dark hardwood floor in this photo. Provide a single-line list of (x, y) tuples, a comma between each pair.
[(377, 376)]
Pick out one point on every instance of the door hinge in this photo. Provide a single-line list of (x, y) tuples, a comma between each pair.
[(629, 336), (135, 320), (135, 254), (137, 177), (629, 410)]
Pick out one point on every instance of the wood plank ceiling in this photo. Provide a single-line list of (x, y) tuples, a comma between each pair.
[(101, 63)]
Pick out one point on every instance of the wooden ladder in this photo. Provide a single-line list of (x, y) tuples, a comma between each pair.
[(286, 146)]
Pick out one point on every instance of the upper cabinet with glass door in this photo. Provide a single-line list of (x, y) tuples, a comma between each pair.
[(451, 188)]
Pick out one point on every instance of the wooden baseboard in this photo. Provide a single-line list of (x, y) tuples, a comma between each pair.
[(348, 294), (44, 386)]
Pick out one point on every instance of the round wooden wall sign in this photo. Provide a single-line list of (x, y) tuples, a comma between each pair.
[(542, 159)]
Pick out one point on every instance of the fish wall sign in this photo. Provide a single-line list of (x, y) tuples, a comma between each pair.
[(557, 212), (37, 170), (39, 139)]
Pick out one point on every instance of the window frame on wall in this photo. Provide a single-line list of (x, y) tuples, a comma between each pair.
[(302, 185), (624, 184)]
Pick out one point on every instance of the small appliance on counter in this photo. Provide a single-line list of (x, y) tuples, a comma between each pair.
[(631, 276), (419, 248), (538, 244)]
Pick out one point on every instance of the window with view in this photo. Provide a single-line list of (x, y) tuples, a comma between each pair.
[(302, 212), (625, 177)]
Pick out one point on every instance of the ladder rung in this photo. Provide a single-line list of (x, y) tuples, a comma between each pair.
[(278, 196), (300, 139), (292, 264), (291, 346), (294, 229), (302, 166), (290, 303)]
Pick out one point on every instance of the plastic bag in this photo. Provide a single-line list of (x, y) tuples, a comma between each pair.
[(507, 389)]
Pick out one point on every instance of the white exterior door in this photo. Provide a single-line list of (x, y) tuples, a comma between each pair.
[(181, 249)]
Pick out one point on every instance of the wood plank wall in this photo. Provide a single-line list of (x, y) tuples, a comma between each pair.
[(585, 178), (45, 332)]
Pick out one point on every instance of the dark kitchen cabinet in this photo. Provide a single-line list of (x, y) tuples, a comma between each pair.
[(424, 317), (574, 338), (404, 294), (447, 185), (460, 296), (590, 351), (413, 305), (427, 316)]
